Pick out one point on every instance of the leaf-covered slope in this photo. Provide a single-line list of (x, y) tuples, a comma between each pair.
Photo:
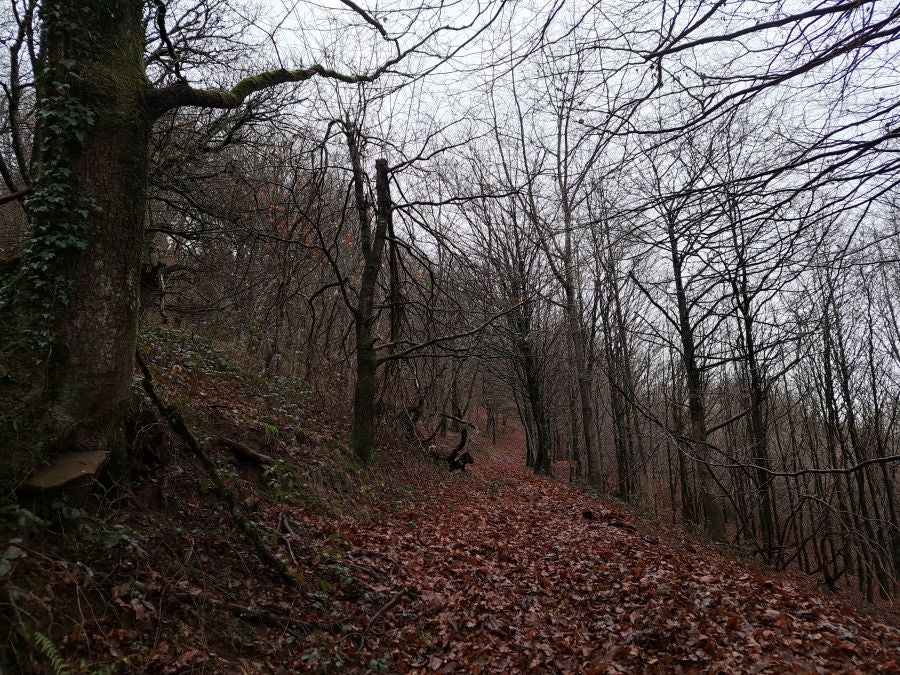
[(508, 572), (402, 567)]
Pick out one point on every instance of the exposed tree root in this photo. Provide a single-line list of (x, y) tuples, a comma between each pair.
[(223, 492), (256, 615)]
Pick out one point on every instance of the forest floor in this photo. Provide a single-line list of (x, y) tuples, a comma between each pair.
[(403, 567), (504, 571)]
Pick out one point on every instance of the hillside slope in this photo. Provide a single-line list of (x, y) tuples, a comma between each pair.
[(509, 572), (400, 567)]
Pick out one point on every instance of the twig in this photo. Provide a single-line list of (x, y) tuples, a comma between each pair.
[(283, 524), (255, 615), (287, 525), (390, 603), (223, 492)]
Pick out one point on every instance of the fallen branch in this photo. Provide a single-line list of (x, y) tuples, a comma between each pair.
[(245, 451), (284, 529), (368, 570), (390, 603), (223, 492), (252, 614)]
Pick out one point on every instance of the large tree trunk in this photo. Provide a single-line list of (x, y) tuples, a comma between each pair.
[(87, 376), (99, 334)]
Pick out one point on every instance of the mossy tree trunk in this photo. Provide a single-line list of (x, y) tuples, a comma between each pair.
[(74, 308), (68, 320), (91, 378)]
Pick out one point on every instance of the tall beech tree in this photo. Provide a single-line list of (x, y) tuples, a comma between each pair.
[(69, 315)]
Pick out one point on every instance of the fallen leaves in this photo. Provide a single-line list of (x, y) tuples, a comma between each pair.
[(539, 578), (495, 571)]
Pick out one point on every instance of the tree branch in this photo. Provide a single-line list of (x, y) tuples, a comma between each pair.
[(444, 338), (369, 19), (14, 196), (757, 27), (161, 100)]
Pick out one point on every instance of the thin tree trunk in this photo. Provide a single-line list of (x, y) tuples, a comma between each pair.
[(713, 515), (576, 341), (362, 436)]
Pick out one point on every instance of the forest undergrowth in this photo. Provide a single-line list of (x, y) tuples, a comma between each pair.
[(402, 567)]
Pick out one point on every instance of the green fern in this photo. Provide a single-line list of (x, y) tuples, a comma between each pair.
[(270, 429), (50, 653)]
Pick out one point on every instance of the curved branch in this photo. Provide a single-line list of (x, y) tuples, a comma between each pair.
[(367, 17), (15, 196), (161, 100), (444, 338)]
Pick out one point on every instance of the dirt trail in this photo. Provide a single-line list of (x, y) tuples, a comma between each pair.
[(501, 571)]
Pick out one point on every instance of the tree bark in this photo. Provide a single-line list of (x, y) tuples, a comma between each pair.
[(579, 351), (87, 381), (362, 436), (713, 515)]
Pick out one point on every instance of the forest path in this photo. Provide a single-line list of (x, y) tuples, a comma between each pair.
[(503, 571)]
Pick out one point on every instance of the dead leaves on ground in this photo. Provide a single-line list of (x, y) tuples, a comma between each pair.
[(494, 571), (525, 581)]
